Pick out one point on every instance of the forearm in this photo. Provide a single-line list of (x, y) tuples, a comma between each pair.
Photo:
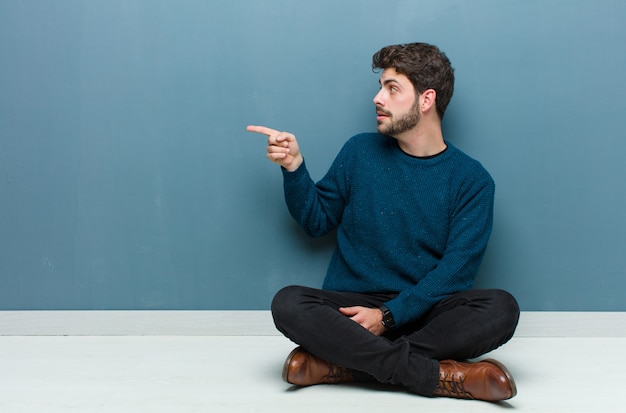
[(317, 208)]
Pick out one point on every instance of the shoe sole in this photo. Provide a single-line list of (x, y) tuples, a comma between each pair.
[(288, 362), (507, 373)]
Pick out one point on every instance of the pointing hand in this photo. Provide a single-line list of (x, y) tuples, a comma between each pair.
[(282, 147)]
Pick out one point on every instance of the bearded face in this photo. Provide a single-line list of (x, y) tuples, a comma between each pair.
[(394, 124)]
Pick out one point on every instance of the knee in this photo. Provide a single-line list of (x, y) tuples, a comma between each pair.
[(285, 302), (508, 310), (287, 310)]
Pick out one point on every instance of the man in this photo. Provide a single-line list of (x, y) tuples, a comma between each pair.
[(413, 215)]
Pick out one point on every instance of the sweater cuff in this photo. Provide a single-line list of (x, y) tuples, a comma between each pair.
[(295, 175)]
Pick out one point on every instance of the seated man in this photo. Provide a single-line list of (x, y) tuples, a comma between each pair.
[(413, 215)]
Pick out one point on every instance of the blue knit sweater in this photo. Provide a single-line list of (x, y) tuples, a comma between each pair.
[(415, 226)]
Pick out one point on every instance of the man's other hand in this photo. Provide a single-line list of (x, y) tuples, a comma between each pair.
[(369, 318)]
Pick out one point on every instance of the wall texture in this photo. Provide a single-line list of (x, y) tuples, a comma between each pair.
[(127, 180)]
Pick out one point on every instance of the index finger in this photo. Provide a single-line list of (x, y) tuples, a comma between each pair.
[(262, 129)]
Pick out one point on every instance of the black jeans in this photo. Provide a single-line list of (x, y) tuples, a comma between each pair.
[(463, 326)]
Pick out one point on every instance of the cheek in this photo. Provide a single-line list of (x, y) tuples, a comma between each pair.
[(409, 104)]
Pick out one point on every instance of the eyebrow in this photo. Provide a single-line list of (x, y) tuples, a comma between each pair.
[(387, 81)]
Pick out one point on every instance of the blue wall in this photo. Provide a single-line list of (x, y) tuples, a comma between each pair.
[(127, 180)]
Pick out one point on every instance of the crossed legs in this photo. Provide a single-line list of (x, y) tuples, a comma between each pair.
[(463, 326)]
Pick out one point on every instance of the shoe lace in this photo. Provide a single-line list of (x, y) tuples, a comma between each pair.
[(337, 374), (451, 385)]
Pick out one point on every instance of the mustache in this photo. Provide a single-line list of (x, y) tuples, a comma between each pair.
[(383, 111)]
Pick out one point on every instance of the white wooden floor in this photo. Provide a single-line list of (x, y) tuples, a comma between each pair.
[(239, 373)]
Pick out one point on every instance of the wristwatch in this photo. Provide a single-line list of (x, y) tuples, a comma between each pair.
[(388, 320)]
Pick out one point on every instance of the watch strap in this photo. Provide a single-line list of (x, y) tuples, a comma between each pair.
[(388, 320)]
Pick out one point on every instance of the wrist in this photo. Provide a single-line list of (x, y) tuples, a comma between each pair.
[(388, 320), (297, 162)]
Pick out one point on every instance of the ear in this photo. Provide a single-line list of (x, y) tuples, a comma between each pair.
[(428, 99)]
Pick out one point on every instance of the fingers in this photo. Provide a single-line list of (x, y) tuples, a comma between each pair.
[(369, 318), (282, 147), (277, 141), (278, 151), (262, 130), (274, 136)]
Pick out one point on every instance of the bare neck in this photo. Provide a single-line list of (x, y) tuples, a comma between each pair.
[(426, 139)]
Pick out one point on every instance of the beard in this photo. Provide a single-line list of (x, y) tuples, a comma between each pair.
[(404, 123)]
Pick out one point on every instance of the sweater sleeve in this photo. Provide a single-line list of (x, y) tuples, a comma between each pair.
[(318, 208), (470, 228)]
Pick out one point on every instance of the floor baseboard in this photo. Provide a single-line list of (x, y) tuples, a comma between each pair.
[(259, 323)]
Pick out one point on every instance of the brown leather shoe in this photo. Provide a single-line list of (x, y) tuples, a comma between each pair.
[(304, 369), (484, 380)]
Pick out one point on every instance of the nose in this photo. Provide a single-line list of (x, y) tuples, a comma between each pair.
[(378, 98)]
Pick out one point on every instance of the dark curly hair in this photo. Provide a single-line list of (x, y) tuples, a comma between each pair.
[(425, 65)]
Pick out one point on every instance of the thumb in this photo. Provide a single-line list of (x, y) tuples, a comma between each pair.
[(349, 311)]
